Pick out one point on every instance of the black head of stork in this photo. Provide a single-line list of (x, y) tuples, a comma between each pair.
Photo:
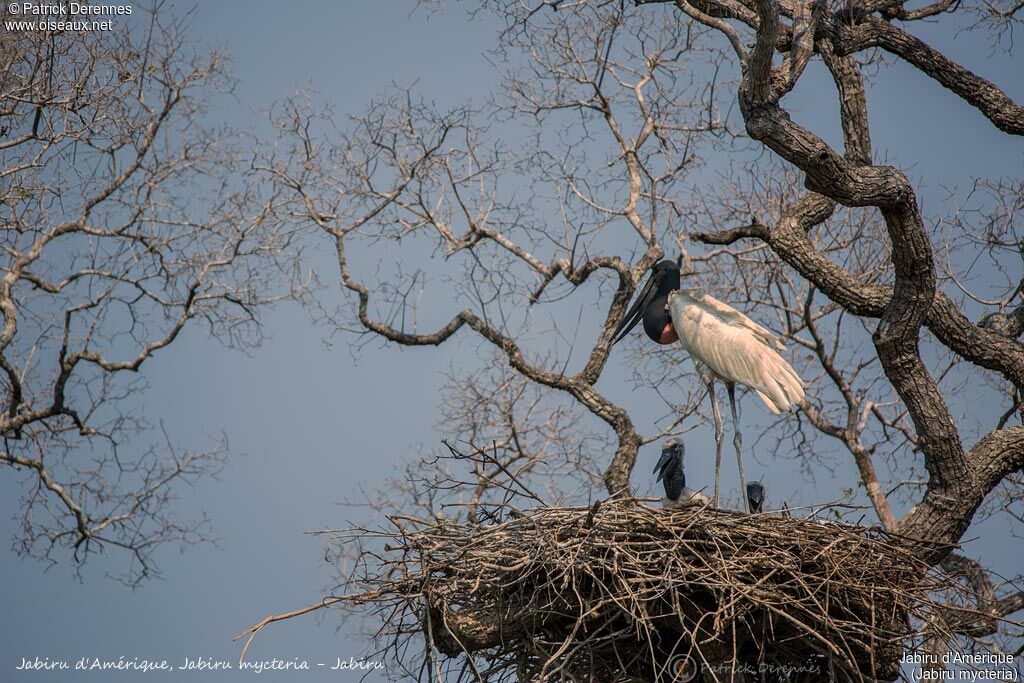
[(670, 469), (755, 496), (651, 306)]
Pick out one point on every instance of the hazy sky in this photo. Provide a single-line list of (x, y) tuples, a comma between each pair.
[(308, 422)]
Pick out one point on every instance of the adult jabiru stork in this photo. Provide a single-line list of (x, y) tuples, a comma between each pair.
[(670, 471), (724, 344)]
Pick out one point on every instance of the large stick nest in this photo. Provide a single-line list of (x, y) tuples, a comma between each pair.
[(623, 591)]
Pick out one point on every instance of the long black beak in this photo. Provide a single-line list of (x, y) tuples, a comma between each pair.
[(636, 313), (670, 457)]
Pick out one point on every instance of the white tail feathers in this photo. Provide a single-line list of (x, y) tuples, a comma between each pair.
[(781, 388), (733, 348)]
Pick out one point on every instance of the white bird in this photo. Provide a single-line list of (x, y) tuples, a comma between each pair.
[(724, 344)]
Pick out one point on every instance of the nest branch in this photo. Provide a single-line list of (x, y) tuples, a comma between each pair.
[(622, 591)]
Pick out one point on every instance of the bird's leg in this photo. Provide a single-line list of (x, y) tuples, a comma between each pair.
[(719, 432), (737, 441)]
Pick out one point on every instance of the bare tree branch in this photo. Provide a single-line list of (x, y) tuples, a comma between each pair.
[(115, 241)]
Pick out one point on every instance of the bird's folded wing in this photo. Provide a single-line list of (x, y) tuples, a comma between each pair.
[(730, 315), (734, 351)]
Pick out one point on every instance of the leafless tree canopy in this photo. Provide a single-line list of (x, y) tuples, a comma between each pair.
[(647, 129), (902, 323), (124, 222)]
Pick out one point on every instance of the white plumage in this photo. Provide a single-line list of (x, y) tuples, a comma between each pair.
[(687, 498), (724, 345), (731, 347)]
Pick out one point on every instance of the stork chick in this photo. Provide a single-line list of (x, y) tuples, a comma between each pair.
[(670, 471), (755, 496)]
